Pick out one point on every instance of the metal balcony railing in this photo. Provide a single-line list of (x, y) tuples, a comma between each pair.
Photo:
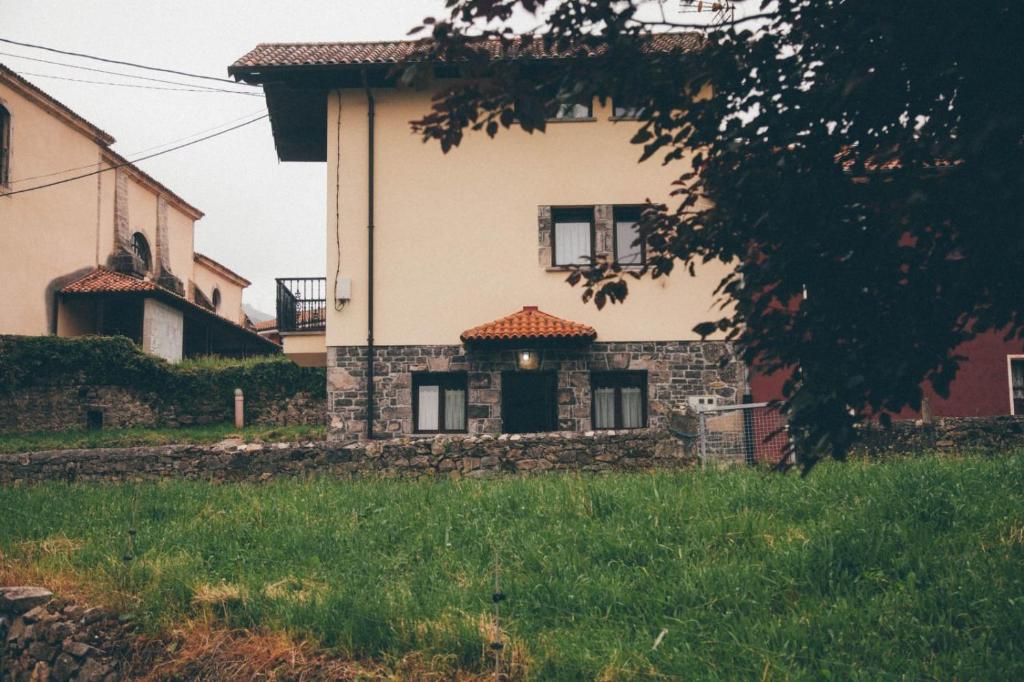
[(301, 304)]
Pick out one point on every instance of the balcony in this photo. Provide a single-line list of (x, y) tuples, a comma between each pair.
[(301, 304)]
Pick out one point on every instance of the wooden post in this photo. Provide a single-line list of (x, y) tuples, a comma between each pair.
[(239, 409)]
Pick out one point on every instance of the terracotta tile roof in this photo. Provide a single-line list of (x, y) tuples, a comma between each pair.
[(331, 54), (105, 281), (265, 325), (102, 280), (529, 324)]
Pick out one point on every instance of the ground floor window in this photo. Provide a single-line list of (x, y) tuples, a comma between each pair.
[(439, 402), (619, 399), (1017, 385)]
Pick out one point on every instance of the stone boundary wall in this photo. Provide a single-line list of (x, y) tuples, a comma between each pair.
[(943, 434), (450, 457), (45, 638), (63, 407)]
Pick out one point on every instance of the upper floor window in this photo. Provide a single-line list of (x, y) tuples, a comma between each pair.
[(629, 249), (624, 108), (5, 146), (568, 111), (141, 248), (619, 399), (573, 236), (215, 298), (439, 402)]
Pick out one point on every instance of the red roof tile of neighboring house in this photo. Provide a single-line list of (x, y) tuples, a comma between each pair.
[(102, 280), (105, 281), (265, 325), (332, 54), (529, 324)]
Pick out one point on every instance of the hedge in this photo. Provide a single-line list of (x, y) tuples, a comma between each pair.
[(27, 361)]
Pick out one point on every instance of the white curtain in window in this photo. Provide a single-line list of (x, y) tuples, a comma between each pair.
[(632, 409), (454, 410), (572, 243), (628, 250), (604, 408), (428, 404), (572, 110)]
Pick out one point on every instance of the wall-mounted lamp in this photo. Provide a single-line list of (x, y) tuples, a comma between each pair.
[(527, 360)]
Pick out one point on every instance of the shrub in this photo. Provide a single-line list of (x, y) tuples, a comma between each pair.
[(27, 361)]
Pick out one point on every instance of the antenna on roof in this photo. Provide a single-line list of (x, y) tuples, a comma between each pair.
[(717, 12)]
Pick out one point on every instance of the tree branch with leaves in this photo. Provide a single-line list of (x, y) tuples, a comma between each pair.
[(858, 165)]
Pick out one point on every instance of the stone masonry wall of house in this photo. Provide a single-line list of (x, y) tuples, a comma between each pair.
[(675, 370), (62, 407), (441, 456)]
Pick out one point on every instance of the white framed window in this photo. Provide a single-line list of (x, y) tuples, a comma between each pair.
[(629, 248), (1015, 375), (619, 399), (573, 236), (5, 146), (573, 111), (439, 402)]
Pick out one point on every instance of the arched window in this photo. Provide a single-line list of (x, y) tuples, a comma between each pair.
[(216, 298), (5, 146), (141, 248)]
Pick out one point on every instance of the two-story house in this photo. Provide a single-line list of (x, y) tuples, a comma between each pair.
[(110, 252), (445, 307)]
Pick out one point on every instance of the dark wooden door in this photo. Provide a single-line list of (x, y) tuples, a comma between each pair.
[(528, 402)]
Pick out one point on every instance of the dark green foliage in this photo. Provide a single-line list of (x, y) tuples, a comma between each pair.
[(905, 570), (866, 152), (97, 360), (115, 361)]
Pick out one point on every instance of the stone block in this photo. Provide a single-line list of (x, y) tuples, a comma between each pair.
[(21, 599)]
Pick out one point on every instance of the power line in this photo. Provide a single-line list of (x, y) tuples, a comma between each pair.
[(136, 85), (134, 161), (139, 151), (121, 63), (120, 73)]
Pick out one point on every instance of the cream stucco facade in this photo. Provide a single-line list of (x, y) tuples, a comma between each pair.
[(53, 236), (217, 282), (456, 239)]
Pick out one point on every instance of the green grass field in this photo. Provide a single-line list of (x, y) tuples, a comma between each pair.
[(124, 438), (906, 570)]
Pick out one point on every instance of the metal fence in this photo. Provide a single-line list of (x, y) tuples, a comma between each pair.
[(301, 304), (755, 433)]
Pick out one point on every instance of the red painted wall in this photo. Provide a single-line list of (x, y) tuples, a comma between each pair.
[(981, 387)]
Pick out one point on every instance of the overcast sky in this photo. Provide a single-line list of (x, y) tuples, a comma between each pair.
[(264, 219)]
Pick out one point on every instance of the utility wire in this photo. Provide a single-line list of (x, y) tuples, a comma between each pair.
[(136, 85), (121, 73), (121, 63), (134, 161), (139, 151)]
